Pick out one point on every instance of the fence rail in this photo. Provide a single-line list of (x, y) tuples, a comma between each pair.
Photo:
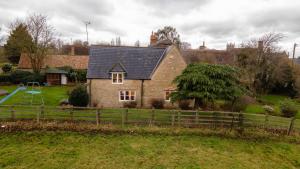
[(151, 117)]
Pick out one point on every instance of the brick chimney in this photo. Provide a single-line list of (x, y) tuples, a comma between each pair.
[(153, 39), (72, 50)]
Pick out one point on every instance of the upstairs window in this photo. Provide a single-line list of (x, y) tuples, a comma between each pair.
[(117, 78), (127, 95)]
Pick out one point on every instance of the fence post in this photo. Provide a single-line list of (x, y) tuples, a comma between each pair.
[(232, 122), (266, 120), (38, 115), (152, 117), (98, 117), (13, 115), (42, 112), (178, 118), (173, 118), (197, 118), (72, 114), (123, 118), (291, 125), (241, 123), (126, 116)]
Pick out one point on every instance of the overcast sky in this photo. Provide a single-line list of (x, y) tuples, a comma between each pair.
[(214, 21)]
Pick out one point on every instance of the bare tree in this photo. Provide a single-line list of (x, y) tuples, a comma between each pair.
[(257, 60), (185, 46), (169, 33), (43, 35), (137, 43)]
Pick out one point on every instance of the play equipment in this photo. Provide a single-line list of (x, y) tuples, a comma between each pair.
[(33, 94), (21, 87)]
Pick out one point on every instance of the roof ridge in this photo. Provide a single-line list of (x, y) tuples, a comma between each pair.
[(150, 47)]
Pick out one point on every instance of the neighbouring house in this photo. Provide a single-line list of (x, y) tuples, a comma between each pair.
[(52, 64), (212, 56), (56, 76), (120, 74)]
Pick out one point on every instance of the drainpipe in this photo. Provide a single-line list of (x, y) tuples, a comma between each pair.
[(142, 93), (90, 92)]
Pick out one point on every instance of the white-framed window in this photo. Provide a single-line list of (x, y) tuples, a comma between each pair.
[(127, 95), (117, 78), (168, 95)]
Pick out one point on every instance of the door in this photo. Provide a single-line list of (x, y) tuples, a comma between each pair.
[(63, 79)]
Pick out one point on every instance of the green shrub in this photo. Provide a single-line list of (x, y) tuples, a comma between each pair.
[(5, 78), (288, 108), (131, 104), (7, 67), (79, 96), (184, 104), (241, 103), (157, 103), (41, 78), (19, 76)]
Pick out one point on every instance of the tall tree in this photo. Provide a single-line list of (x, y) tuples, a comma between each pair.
[(169, 33), (43, 35), (207, 83), (256, 61), (137, 43), (17, 41), (185, 46)]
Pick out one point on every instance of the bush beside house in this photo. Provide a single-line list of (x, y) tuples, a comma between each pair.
[(79, 96)]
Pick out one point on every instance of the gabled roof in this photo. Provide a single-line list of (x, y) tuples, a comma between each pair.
[(137, 62), (76, 62), (117, 68)]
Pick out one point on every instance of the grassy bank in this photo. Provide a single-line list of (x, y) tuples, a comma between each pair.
[(52, 95), (75, 150)]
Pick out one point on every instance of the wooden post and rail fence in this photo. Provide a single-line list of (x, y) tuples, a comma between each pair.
[(150, 117)]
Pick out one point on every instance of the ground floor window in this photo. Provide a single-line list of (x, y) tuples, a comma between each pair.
[(127, 95), (168, 94)]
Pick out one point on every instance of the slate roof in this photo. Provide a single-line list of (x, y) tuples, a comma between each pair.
[(136, 62)]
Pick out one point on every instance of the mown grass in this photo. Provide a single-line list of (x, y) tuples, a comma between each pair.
[(53, 150), (52, 95)]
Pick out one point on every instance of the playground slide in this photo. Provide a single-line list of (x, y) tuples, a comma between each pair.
[(12, 93)]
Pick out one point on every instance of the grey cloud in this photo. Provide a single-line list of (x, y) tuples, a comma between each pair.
[(282, 19), (173, 7)]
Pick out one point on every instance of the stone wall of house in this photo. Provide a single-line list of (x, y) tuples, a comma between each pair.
[(106, 94), (170, 67)]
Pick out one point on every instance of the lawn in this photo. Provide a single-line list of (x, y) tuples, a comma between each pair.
[(44, 150), (52, 95), (272, 100)]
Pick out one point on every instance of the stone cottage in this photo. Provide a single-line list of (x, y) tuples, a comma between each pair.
[(119, 74)]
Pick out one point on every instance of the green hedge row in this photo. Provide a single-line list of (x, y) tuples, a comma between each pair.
[(20, 76)]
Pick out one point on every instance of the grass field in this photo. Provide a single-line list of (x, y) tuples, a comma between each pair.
[(44, 150), (52, 95)]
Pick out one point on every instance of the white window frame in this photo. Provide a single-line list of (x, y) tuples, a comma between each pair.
[(170, 91), (117, 74), (129, 96)]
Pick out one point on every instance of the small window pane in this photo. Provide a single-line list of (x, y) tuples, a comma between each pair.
[(114, 77), (120, 78), (132, 96), (122, 95), (127, 95)]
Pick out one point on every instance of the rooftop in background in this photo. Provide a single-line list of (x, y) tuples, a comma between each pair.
[(76, 62), (136, 62)]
